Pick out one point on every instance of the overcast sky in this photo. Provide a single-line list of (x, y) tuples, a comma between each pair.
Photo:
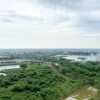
[(49, 23)]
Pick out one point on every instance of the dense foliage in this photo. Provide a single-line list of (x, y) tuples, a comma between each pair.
[(88, 73), (36, 82)]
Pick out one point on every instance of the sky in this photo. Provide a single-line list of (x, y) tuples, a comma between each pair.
[(49, 23)]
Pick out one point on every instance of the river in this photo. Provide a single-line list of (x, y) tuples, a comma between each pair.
[(9, 67)]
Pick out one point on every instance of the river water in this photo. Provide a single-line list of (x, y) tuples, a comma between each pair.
[(83, 57), (9, 67)]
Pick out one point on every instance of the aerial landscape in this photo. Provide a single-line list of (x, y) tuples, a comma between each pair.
[(49, 74), (49, 49)]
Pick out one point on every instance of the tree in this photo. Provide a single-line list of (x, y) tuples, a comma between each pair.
[(23, 65)]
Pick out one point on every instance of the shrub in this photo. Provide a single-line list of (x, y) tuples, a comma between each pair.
[(32, 88), (18, 88), (23, 65)]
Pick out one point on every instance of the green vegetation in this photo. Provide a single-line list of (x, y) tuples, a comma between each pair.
[(44, 75), (36, 82), (88, 73), (23, 65)]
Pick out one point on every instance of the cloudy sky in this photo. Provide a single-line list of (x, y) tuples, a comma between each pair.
[(49, 23)]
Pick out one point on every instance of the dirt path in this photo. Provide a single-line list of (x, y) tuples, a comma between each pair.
[(83, 94)]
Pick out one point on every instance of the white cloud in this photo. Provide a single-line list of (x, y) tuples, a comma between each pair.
[(40, 23)]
